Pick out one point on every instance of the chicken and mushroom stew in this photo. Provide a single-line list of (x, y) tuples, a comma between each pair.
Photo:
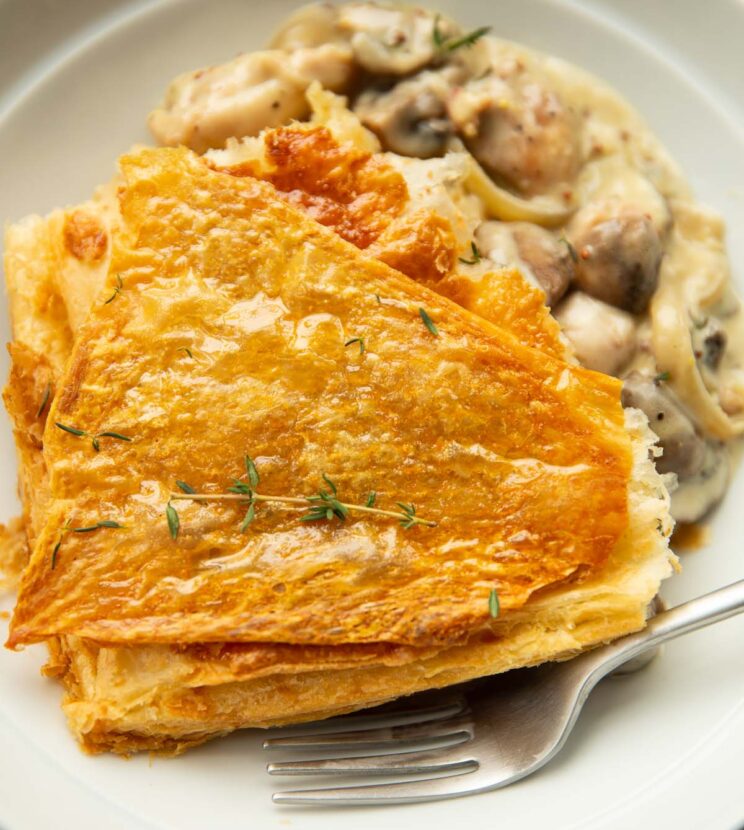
[(562, 181)]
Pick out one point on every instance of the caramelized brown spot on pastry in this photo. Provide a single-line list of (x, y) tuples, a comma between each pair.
[(85, 238)]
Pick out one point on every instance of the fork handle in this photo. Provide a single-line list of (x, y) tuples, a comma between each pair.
[(697, 613)]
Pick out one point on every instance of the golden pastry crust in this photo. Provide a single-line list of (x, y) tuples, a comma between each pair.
[(352, 191), (538, 446), (28, 397), (13, 553), (337, 179), (503, 297), (38, 310), (168, 698)]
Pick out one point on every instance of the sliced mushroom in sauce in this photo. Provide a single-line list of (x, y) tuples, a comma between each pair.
[(618, 256), (411, 118), (684, 450)]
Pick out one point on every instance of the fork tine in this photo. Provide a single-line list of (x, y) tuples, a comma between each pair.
[(443, 733), (376, 717), (405, 792), (411, 763)]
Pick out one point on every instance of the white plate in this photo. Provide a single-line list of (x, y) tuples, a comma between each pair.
[(664, 748)]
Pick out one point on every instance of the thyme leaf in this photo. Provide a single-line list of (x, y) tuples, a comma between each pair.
[(187, 350), (96, 526), (55, 551), (240, 488), (174, 523), (186, 488), (571, 250), (371, 499), (477, 256), (408, 517), (44, 400), (325, 505), (468, 40), (71, 430), (117, 290), (494, 606), (81, 433), (249, 517), (445, 44), (253, 475), (359, 340), (661, 377), (428, 322)]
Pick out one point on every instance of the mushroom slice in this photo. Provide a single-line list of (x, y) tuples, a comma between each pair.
[(619, 254), (684, 450), (411, 118)]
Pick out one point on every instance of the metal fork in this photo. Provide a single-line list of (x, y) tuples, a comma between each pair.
[(504, 729)]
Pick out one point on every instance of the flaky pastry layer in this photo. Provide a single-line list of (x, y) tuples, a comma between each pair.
[(169, 697), (522, 460), (163, 699)]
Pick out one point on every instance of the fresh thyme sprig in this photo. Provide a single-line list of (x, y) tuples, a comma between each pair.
[(445, 44), (359, 340), (66, 528), (325, 505), (44, 400), (94, 436), (117, 290), (428, 322), (477, 256), (322, 506)]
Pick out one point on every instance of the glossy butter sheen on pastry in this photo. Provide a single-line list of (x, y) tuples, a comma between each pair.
[(521, 459)]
